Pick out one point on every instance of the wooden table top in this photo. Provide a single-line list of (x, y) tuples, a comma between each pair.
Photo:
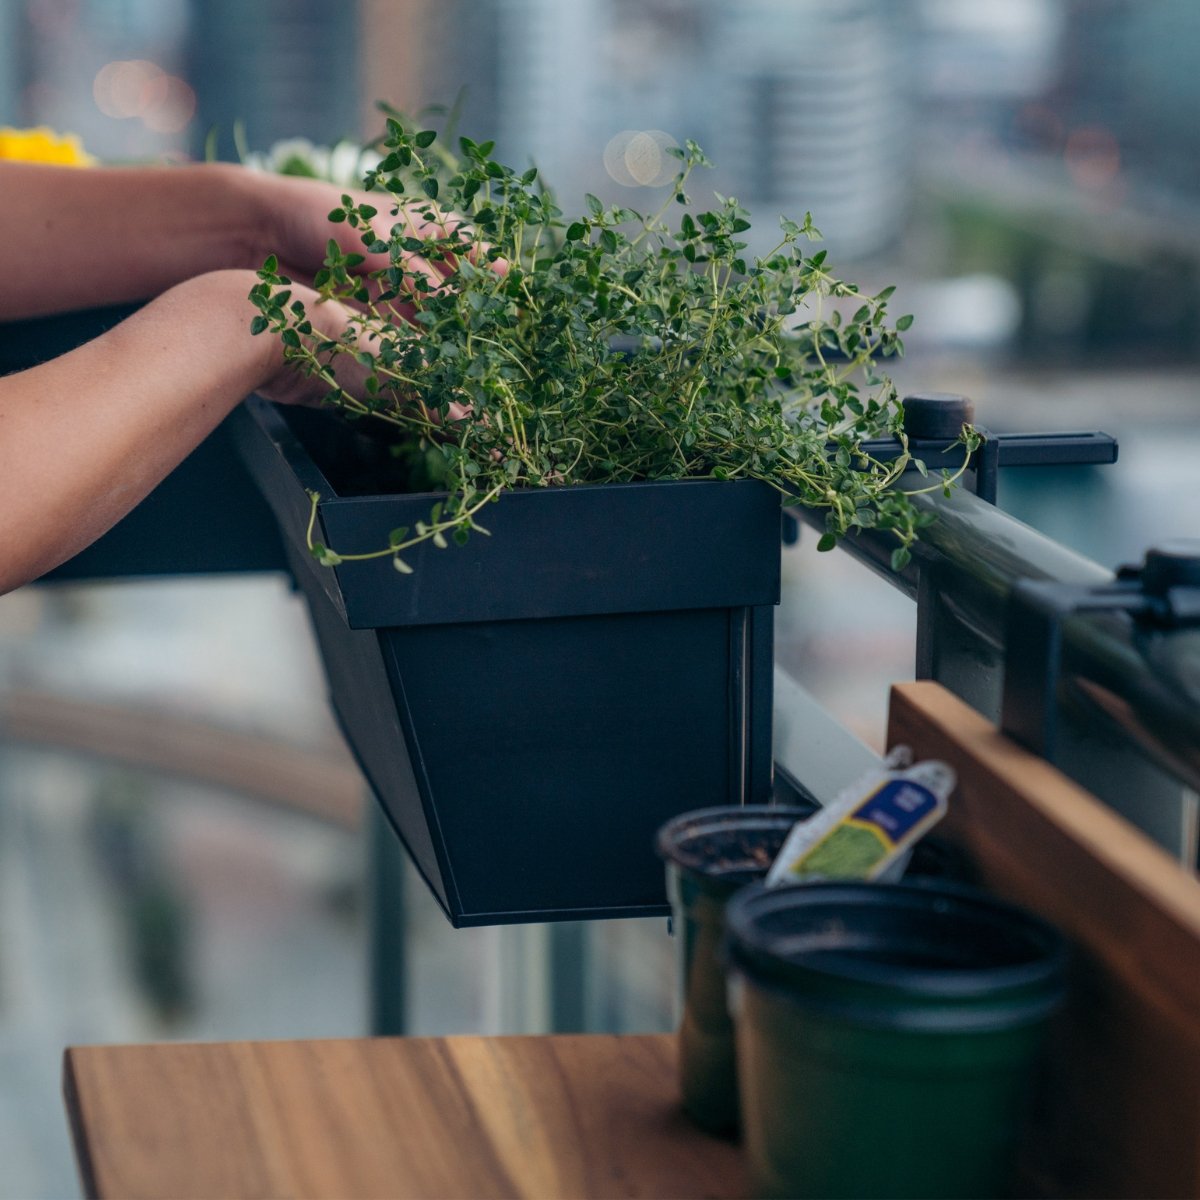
[(563, 1116)]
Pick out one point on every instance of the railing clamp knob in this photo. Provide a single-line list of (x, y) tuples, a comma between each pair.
[(1162, 593)]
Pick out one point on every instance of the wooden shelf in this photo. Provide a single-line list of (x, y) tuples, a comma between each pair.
[(580, 1116)]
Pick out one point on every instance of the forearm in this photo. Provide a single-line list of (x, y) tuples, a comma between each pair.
[(85, 437), (74, 239)]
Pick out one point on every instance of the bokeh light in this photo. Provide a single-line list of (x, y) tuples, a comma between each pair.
[(639, 158), (138, 88)]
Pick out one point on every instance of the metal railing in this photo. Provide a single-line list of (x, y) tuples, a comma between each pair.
[(1128, 697)]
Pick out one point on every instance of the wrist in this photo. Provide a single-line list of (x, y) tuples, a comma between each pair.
[(216, 309), (242, 198)]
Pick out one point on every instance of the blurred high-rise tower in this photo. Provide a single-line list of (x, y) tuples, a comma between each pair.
[(812, 113), (802, 103), (283, 68)]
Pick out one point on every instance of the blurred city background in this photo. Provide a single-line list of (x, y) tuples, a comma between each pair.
[(180, 826)]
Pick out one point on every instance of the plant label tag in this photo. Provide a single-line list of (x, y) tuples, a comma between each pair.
[(867, 828)]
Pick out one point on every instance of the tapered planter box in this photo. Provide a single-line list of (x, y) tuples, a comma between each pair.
[(531, 707)]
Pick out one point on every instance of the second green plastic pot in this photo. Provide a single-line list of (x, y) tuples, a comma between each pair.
[(710, 854), (886, 1035)]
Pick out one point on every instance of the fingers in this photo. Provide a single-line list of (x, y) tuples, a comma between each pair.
[(290, 383), (298, 230), (427, 222)]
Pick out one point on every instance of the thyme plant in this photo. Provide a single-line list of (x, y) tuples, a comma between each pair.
[(616, 346)]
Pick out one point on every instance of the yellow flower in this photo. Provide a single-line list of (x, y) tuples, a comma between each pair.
[(43, 145)]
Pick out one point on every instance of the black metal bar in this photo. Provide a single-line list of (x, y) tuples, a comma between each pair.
[(1056, 449), (1134, 683), (1162, 594), (760, 703), (986, 462), (1015, 449), (387, 916), (567, 964)]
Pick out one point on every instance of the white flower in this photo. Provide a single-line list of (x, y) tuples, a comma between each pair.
[(344, 164)]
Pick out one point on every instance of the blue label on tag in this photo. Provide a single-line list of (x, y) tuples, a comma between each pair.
[(896, 808)]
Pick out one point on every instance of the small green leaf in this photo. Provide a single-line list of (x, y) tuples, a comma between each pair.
[(324, 555), (828, 542), (426, 138), (401, 566), (430, 188), (905, 322), (901, 557), (337, 216), (258, 325)]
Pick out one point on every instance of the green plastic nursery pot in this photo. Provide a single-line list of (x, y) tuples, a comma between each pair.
[(710, 854), (886, 1036)]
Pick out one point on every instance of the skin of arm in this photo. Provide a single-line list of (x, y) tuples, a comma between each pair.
[(74, 239), (86, 437), (79, 239)]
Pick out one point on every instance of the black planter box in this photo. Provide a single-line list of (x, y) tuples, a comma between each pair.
[(530, 707)]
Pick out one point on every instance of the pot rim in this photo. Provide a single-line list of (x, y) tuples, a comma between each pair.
[(781, 961), (697, 822)]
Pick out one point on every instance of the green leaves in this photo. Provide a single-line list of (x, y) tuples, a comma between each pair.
[(616, 347)]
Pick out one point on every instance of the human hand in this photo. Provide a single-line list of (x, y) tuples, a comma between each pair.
[(295, 227), (281, 379)]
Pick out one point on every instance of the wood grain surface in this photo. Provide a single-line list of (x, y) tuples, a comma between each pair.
[(566, 1116), (1119, 1112)]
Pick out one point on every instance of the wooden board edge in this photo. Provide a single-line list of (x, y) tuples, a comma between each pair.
[(84, 1161), (1108, 837)]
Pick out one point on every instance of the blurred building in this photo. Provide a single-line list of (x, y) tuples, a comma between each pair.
[(1130, 69), (811, 108), (282, 68), (801, 103), (11, 29)]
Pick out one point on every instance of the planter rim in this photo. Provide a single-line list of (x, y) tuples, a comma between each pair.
[(274, 423), (807, 961), (584, 550), (672, 840)]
